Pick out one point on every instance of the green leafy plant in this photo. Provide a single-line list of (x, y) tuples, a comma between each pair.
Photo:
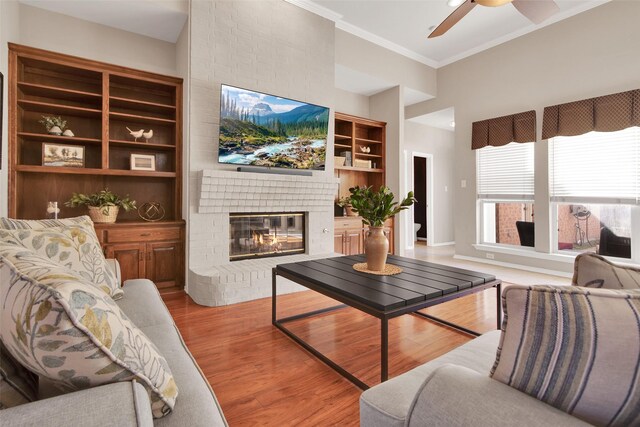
[(51, 121), (343, 202), (375, 207), (102, 199)]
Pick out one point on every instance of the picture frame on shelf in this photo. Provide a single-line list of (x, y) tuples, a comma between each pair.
[(63, 155), (143, 162)]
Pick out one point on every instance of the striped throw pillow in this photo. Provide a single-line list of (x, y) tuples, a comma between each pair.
[(577, 349), (594, 271)]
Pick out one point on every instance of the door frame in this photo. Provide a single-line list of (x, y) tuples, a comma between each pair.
[(409, 179)]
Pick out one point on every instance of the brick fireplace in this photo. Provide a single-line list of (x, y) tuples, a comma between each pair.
[(223, 195)]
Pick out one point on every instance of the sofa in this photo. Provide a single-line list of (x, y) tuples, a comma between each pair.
[(460, 388), (126, 402)]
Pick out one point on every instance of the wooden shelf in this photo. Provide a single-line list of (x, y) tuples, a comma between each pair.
[(99, 100), (140, 119), (368, 141), (373, 156), (152, 107), (336, 136), (34, 89), (59, 109), (342, 146), (92, 171), (353, 168), (150, 146), (55, 138)]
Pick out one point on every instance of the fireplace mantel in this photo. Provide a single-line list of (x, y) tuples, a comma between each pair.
[(230, 191)]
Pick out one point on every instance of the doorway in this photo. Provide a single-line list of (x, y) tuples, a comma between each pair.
[(419, 178), (420, 193)]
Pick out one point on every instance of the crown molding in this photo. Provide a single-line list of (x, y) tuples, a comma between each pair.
[(359, 32)]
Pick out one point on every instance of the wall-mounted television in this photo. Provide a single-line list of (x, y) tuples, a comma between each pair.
[(259, 129)]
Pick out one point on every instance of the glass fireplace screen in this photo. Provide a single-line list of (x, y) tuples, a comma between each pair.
[(263, 235)]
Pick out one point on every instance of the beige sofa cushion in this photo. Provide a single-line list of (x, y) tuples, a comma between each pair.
[(74, 246), (59, 326), (594, 271), (574, 348)]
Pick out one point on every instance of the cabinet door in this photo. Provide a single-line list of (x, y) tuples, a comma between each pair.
[(131, 258), (354, 243), (338, 242), (165, 264)]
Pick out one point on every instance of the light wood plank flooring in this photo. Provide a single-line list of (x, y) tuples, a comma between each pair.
[(261, 377)]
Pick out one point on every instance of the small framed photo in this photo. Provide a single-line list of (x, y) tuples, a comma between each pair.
[(143, 162), (68, 156)]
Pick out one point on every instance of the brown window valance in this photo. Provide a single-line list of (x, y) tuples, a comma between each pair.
[(602, 114), (500, 131)]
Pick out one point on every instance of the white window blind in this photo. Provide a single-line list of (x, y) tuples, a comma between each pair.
[(597, 167), (506, 173)]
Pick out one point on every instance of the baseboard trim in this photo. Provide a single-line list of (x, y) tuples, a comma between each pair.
[(442, 244), (515, 266)]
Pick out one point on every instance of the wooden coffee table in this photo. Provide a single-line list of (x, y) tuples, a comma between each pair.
[(421, 284)]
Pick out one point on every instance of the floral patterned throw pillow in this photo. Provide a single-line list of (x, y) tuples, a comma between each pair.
[(75, 246), (58, 326)]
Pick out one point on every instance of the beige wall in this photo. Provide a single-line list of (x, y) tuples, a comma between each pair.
[(64, 34), (388, 107), (9, 12), (440, 144), (366, 57), (591, 54), (351, 103)]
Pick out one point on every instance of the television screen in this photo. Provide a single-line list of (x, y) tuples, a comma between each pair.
[(264, 130)]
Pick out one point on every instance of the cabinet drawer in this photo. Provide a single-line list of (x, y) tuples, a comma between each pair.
[(340, 223), (142, 235)]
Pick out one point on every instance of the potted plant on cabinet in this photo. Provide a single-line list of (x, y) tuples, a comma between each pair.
[(103, 205), (375, 207), (345, 204)]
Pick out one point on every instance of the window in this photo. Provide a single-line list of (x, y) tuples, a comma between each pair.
[(595, 191), (505, 193)]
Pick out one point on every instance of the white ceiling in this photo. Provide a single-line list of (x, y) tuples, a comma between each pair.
[(403, 25), (438, 119), (159, 19)]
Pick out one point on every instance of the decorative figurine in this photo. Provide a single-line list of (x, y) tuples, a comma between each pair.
[(147, 135), (136, 133)]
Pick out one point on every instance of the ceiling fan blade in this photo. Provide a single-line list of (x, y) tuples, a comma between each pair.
[(453, 19), (536, 11)]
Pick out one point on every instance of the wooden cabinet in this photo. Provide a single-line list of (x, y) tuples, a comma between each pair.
[(99, 102), (364, 141), (150, 251), (348, 237)]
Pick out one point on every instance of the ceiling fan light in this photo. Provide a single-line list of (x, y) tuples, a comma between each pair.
[(492, 3), (454, 3)]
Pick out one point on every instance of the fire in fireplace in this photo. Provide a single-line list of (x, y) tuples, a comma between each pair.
[(266, 234)]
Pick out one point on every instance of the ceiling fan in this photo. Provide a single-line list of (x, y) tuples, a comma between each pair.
[(536, 11)]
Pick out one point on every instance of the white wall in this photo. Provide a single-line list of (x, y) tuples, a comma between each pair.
[(269, 46), (351, 103), (591, 54), (441, 145)]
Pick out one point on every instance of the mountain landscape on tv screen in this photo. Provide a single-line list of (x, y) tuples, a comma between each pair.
[(264, 130)]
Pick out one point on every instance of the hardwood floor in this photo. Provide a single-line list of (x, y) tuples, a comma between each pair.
[(261, 377)]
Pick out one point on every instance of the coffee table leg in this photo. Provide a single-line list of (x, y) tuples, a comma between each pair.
[(499, 304), (273, 296), (384, 349)]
